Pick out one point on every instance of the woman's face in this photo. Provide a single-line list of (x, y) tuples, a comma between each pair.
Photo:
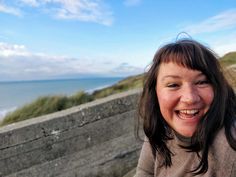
[(184, 96)]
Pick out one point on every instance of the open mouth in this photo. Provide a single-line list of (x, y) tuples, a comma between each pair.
[(187, 113)]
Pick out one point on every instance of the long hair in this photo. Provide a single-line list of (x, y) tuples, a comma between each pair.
[(222, 112)]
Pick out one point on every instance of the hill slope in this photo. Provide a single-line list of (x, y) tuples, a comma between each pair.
[(228, 63), (228, 59)]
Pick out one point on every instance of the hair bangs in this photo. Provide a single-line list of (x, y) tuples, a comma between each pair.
[(185, 54)]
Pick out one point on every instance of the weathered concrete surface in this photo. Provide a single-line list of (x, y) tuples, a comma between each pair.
[(92, 140), (130, 173)]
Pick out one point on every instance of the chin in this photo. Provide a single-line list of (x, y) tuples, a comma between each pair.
[(186, 133)]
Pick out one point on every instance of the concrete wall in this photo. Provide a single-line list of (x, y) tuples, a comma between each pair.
[(94, 139)]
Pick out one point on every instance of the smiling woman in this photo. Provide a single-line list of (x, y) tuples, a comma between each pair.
[(189, 115), (184, 97)]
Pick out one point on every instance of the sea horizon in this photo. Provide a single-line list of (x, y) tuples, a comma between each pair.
[(15, 94), (59, 79)]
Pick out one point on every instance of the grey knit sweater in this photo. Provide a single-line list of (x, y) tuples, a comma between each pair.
[(221, 160)]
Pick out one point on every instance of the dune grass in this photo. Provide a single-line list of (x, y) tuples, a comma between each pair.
[(228, 63), (123, 85), (230, 75), (45, 105), (49, 104), (228, 59)]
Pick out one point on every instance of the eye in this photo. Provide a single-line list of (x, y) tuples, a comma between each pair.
[(172, 85), (202, 82)]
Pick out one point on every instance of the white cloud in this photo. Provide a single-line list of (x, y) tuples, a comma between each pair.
[(132, 2), (218, 31), (10, 10), (7, 50), (125, 69), (82, 10), (18, 63), (222, 21)]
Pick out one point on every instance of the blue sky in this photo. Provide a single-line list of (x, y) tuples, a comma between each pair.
[(50, 39)]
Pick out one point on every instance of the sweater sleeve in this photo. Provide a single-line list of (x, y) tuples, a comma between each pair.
[(145, 166)]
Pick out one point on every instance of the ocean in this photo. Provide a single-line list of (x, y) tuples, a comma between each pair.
[(18, 93)]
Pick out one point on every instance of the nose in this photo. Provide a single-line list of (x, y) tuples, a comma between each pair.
[(190, 95)]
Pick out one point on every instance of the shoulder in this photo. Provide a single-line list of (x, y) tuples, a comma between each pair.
[(221, 152), (222, 156), (146, 160), (221, 144)]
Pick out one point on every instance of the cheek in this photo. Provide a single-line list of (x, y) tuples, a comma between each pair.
[(210, 99), (208, 96), (166, 102)]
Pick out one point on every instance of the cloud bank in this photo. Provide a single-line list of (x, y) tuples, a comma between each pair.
[(18, 63)]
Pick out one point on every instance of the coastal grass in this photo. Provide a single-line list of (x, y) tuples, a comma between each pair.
[(126, 84), (49, 104), (228, 63), (230, 74), (46, 105), (228, 59)]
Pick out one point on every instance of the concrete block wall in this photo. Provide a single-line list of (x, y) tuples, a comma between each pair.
[(92, 140)]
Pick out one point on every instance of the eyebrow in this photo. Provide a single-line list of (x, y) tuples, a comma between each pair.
[(170, 76)]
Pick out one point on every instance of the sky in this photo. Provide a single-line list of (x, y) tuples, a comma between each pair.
[(53, 39)]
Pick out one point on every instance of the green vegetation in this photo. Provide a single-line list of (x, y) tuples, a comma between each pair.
[(228, 63), (50, 104), (123, 85), (228, 59), (45, 105)]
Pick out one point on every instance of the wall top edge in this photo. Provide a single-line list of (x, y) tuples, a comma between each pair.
[(69, 111)]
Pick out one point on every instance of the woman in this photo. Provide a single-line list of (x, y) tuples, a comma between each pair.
[(189, 115)]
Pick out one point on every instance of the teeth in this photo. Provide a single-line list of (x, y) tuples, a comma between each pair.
[(194, 111)]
